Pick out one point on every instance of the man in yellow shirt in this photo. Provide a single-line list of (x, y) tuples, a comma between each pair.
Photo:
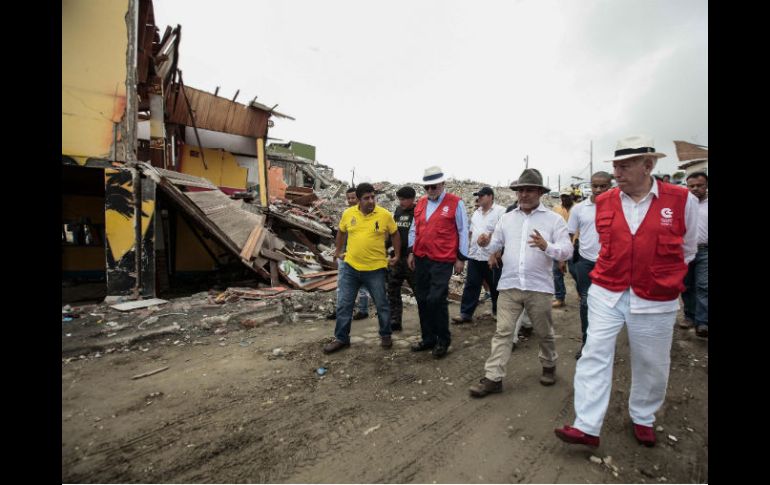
[(366, 227)]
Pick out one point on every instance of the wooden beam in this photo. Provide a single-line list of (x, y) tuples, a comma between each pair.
[(316, 275), (262, 171)]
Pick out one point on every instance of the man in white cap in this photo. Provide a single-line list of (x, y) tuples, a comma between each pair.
[(438, 244), (483, 222), (647, 234), (533, 237)]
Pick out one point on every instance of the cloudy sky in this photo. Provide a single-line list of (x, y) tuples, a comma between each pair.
[(391, 87)]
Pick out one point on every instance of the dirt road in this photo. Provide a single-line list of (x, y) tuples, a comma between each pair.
[(229, 409)]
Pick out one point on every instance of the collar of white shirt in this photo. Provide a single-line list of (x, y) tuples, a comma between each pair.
[(653, 191), (539, 208)]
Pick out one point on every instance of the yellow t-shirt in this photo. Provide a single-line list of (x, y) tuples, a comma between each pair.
[(366, 237)]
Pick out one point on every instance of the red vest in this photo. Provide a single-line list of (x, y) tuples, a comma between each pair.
[(437, 238), (651, 261)]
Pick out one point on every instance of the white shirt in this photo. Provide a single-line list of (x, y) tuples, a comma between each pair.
[(582, 219), (483, 224), (703, 221), (635, 213), (525, 267)]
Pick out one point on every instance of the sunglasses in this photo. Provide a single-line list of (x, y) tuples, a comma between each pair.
[(430, 187)]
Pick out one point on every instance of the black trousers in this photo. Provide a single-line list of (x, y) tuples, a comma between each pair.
[(396, 277), (478, 272), (432, 279)]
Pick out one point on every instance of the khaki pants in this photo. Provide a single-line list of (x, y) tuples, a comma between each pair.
[(510, 304)]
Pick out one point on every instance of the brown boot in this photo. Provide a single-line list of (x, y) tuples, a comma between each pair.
[(334, 346), (549, 376), (485, 386)]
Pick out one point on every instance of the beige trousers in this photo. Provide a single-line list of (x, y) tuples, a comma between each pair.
[(510, 304)]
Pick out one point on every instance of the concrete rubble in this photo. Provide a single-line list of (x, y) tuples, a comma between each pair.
[(298, 245)]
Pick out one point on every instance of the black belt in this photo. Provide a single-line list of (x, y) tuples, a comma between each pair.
[(703, 246)]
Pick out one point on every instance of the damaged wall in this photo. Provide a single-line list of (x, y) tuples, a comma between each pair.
[(94, 45), (223, 168), (121, 236)]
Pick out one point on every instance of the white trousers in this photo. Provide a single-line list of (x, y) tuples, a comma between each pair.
[(649, 338)]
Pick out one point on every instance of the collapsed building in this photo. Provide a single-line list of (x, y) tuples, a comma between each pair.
[(163, 183)]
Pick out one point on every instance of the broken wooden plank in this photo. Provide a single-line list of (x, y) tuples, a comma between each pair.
[(152, 372), (321, 273), (328, 286), (133, 305), (251, 243), (314, 285), (272, 255)]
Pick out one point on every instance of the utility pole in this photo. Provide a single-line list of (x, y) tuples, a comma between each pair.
[(559, 187), (591, 164), (547, 180), (526, 162)]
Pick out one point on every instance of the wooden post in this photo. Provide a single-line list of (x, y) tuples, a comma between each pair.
[(262, 168)]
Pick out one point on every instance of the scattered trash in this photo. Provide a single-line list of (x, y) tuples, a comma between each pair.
[(152, 372), (278, 352), (321, 371), (596, 459), (659, 429), (372, 429), (672, 438)]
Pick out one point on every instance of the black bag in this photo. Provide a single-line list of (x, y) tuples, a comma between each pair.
[(576, 251)]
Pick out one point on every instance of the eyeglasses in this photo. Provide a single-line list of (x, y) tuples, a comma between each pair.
[(431, 187)]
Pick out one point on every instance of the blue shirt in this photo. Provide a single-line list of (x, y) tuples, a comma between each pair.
[(461, 220)]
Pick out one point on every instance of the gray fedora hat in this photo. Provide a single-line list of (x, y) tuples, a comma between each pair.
[(530, 177)]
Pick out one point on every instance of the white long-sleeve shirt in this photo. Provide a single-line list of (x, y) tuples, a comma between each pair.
[(525, 267), (483, 224), (635, 213)]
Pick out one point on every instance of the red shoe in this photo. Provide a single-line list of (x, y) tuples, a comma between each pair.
[(644, 435), (575, 436)]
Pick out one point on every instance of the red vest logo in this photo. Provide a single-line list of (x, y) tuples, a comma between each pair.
[(666, 216)]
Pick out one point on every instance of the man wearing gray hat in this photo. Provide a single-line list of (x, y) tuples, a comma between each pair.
[(533, 237), (438, 242)]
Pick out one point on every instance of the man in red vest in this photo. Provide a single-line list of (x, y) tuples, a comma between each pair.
[(438, 244), (647, 235)]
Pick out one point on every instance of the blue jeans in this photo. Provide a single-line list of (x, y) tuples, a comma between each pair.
[(478, 271), (560, 291), (582, 268), (696, 296), (363, 296), (349, 282)]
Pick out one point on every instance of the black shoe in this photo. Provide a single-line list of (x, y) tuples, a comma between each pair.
[(525, 332), (395, 328), (331, 316), (420, 346), (579, 354), (360, 316), (440, 350)]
